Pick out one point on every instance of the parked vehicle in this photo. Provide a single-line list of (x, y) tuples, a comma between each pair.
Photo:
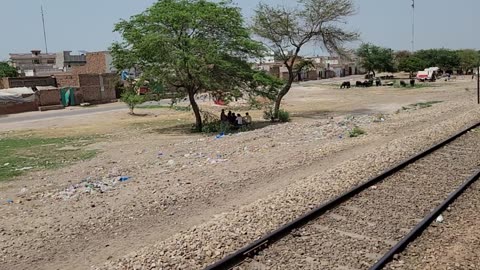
[(429, 74)]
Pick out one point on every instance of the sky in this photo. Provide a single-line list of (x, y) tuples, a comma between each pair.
[(87, 25)]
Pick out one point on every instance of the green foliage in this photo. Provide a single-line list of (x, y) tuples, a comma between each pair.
[(189, 46), (412, 64), (469, 59), (23, 154), (443, 58), (216, 127), (132, 99), (7, 71), (356, 132), (283, 116), (374, 58), (287, 31)]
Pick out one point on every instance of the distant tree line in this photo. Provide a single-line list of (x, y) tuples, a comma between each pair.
[(375, 58)]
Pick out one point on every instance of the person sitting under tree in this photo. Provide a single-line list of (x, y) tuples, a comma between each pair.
[(247, 119)]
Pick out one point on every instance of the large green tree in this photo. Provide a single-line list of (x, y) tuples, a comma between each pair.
[(7, 71), (190, 46), (286, 31), (412, 64), (469, 59), (375, 58), (445, 59)]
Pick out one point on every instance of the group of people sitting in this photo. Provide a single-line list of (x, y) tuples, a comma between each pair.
[(235, 120)]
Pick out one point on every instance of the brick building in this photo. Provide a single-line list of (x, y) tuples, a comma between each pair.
[(93, 82)]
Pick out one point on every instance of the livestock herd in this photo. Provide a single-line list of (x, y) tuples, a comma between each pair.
[(377, 82)]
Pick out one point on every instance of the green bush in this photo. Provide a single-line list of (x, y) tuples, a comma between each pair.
[(283, 116), (132, 99), (355, 132), (216, 127)]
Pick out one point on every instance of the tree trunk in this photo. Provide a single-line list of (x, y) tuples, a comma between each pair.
[(196, 110), (281, 94)]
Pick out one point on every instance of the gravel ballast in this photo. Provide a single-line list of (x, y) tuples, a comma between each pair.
[(357, 233)]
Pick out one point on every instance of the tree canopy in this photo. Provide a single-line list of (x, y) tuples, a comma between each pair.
[(412, 64), (189, 46), (469, 59), (286, 31), (7, 71), (374, 58), (445, 59)]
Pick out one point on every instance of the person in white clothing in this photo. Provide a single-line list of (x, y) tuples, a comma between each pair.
[(239, 120)]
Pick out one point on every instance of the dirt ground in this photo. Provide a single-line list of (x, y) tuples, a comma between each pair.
[(85, 214)]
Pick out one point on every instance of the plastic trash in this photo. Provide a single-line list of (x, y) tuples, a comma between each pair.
[(439, 219), (221, 135), (123, 178), (160, 154), (9, 201)]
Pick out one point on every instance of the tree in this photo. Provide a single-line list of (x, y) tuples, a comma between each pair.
[(287, 31), (412, 64), (132, 99), (376, 58), (401, 56), (443, 58), (7, 71), (469, 59), (189, 46)]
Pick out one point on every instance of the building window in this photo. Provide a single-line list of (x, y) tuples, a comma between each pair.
[(36, 61), (50, 61)]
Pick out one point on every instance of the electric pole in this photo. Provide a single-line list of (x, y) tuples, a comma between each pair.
[(44, 31), (413, 26)]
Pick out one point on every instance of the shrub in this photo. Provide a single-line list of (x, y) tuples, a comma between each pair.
[(283, 116), (355, 132), (132, 99)]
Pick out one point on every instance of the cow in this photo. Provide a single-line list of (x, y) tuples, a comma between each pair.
[(378, 82), (403, 84), (412, 83), (345, 85), (359, 84)]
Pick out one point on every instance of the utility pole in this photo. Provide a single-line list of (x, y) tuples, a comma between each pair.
[(413, 26), (44, 31), (478, 84)]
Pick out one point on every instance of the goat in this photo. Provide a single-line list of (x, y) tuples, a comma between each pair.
[(345, 85)]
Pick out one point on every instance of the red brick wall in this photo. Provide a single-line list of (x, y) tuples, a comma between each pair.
[(8, 108), (67, 80), (49, 97), (90, 87), (96, 64)]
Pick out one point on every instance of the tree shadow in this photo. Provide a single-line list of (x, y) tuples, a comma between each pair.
[(175, 129)]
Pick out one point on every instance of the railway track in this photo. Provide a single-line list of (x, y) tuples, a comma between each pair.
[(366, 226)]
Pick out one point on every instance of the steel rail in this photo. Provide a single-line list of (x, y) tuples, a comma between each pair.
[(423, 225), (253, 248)]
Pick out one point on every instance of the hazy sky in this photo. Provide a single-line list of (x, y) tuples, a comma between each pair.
[(87, 24)]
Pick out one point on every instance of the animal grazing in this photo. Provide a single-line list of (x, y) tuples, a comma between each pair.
[(378, 82), (412, 82), (345, 85), (403, 84)]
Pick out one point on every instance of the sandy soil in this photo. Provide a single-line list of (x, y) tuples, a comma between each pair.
[(180, 180)]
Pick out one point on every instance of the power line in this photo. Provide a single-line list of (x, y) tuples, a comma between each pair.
[(44, 31)]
